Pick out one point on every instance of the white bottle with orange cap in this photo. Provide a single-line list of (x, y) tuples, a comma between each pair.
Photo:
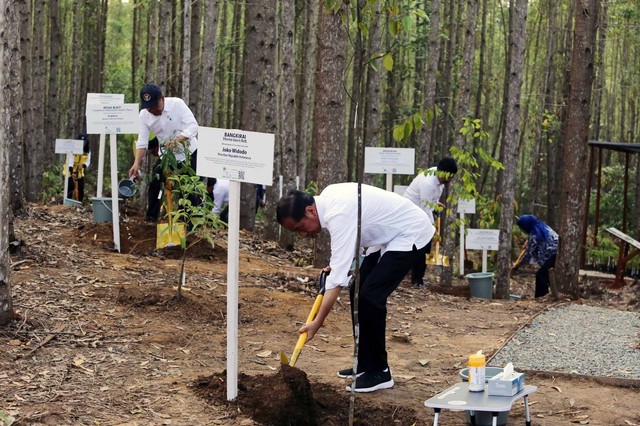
[(477, 363)]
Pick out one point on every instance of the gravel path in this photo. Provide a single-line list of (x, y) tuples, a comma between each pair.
[(578, 339)]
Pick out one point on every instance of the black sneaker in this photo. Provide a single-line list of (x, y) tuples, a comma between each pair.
[(347, 373), (373, 381)]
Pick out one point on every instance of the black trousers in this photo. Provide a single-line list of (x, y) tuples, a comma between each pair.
[(155, 187), (71, 189), (542, 277), (379, 277), (420, 266)]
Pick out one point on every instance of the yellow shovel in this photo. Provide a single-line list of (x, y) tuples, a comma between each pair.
[(437, 258), (169, 234), (303, 336)]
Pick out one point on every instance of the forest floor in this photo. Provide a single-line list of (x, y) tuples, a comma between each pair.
[(99, 337)]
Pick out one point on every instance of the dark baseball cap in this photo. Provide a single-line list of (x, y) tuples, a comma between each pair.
[(149, 96)]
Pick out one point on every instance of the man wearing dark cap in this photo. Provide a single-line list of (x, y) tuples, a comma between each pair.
[(173, 123)]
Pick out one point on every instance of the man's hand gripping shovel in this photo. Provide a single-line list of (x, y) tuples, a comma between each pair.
[(312, 315)]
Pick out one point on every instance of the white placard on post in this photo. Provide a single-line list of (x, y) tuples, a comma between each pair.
[(104, 99), (116, 119), (239, 156), (391, 161), (397, 161), (105, 115), (467, 206), (464, 206), (236, 155), (69, 146), (483, 239), (400, 189), (95, 102)]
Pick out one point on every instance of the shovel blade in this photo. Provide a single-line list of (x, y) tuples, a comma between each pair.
[(283, 358)]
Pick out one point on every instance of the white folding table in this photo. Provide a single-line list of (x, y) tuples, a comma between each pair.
[(458, 397)]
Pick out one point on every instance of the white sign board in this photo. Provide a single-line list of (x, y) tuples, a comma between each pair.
[(69, 146), (483, 239), (237, 155), (113, 119), (400, 189), (397, 161), (467, 206), (104, 99)]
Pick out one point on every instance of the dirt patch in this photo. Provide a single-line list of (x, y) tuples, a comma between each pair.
[(99, 337), (287, 398)]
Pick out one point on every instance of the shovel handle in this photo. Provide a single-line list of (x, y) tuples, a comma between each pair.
[(302, 339), (303, 336)]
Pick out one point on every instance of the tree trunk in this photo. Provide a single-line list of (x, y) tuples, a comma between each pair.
[(462, 111), (51, 124), (576, 136), (373, 134), (328, 136), (195, 77), (424, 153), (209, 61), (12, 92), (286, 148), (517, 32), (9, 62), (163, 29), (151, 68), (307, 67), (259, 113), (186, 53)]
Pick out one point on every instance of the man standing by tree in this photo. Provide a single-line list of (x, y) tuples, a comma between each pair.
[(395, 233), (173, 123), (425, 191)]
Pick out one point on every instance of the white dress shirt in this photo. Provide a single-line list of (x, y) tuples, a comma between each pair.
[(389, 221), (425, 191), (220, 195), (176, 119)]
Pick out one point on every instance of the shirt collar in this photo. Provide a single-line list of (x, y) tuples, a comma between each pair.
[(320, 208)]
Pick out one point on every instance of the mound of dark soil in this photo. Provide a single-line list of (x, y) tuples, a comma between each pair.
[(287, 399)]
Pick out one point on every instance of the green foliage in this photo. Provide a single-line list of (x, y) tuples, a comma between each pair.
[(6, 419), (199, 219), (312, 188), (52, 183), (487, 210), (607, 251), (611, 197)]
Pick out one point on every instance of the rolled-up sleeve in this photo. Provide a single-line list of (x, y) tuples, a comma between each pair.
[(189, 123), (143, 133)]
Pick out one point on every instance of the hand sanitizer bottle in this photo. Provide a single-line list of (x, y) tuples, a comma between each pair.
[(477, 364)]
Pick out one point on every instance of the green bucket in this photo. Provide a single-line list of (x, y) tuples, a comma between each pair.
[(481, 284), (102, 209)]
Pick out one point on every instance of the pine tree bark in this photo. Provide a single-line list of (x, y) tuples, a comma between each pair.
[(328, 138), (576, 136), (208, 61), (517, 46), (9, 25), (12, 92), (286, 154), (259, 114), (425, 150)]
